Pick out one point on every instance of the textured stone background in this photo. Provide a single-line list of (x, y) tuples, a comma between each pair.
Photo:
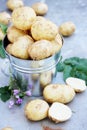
[(76, 45)]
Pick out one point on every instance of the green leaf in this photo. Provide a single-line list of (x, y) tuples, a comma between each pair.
[(2, 52), (5, 93), (67, 72), (3, 27)]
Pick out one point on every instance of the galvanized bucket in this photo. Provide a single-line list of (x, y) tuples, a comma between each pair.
[(31, 70)]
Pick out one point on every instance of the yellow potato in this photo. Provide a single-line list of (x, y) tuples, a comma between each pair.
[(1, 35), (23, 17), (13, 34), (45, 78), (46, 30), (40, 50), (7, 128), (5, 18), (36, 110), (57, 44), (58, 93), (67, 28), (9, 48), (40, 8), (20, 47), (12, 4)]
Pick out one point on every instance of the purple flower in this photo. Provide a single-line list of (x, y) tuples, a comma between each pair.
[(28, 93), (17, 96), (11, 103), (15, 91), (19, 101), (30, 86)]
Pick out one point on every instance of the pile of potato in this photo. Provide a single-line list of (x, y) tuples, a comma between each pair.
[(32, 37)]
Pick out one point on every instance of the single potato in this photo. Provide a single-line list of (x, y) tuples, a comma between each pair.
[(40, 50), (58, 93), (9, 48), (57, 43), (23, 17), (5, 18), (36, 110), (45, 78), (67, 28), (1, 34), (13, 34), (12, 4), (20, 47), (40, 8), (46, 30), (59, 112), (7, 128)]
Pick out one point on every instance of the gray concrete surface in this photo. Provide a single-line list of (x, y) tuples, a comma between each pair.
[(76, 45)]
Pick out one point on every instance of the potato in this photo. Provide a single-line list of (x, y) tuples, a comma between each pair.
[(46, 30), (20, 47), (5, 18), (40, 50), (12, 4), (45, 78), (35, 76), (78, 85), (9, 48), (58, 93), (67, 28), (23, 17), (1, 34), (40, 8), (13, 34), (59, 112), (7, 128), (57, 44), (36, 110)]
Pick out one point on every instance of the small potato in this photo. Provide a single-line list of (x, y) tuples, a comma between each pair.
[(40, 50), (1, 35), (5, 18), (12, 4), (13, 34), (9, 48), (7, 128), (46, 30), (67, 28), (57, 44), (36, 110), (40, 8), (45, 78), (35, 77), (58, 93), (20, 47), (23, 17)]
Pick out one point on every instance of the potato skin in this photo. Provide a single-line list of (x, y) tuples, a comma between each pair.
[(23, 17), (40, 50), (57, 44), (40, 8), (9, 48), (13, 34), (58, 93), (20, 47), (12, 4), (46, 30), (36, 110), (45, 78), (5, 18), (67, 28), (7, 128)]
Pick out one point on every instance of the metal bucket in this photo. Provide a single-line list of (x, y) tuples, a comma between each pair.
[(30, 71)]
